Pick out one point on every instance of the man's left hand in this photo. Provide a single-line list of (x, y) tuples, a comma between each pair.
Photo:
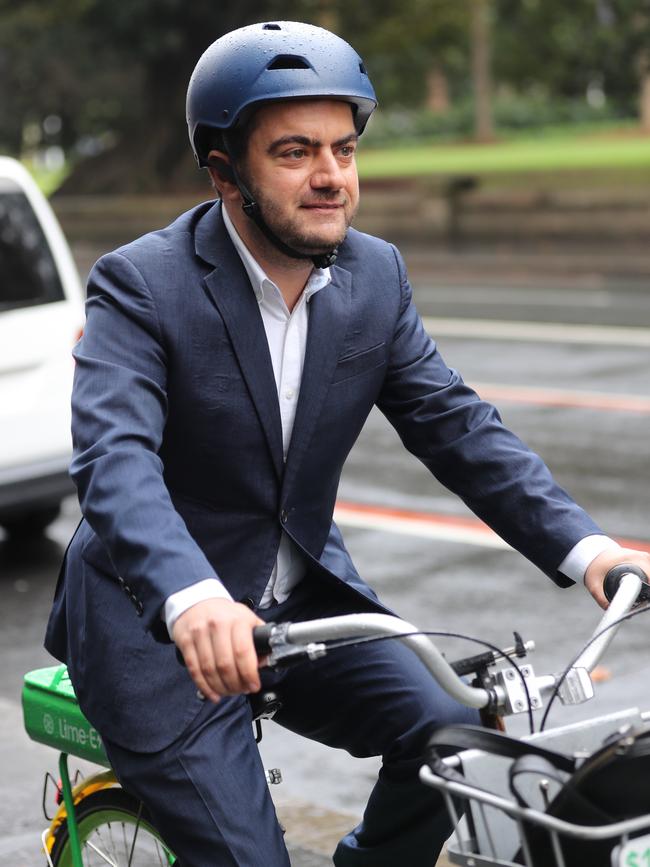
[(600, 566)]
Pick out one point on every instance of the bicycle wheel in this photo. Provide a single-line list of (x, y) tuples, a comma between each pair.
[(114, 829)]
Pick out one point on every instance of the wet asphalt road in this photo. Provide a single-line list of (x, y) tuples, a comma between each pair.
[(599, 453)]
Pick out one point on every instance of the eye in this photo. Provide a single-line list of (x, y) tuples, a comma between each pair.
[(295, 154), (347, 150)]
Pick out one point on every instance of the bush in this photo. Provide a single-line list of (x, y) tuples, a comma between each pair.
[(513, 113)]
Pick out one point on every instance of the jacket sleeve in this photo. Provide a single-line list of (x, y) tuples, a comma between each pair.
[(119, 408), (462, 441)]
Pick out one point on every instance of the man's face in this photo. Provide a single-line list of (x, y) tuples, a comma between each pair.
[(300, 167)]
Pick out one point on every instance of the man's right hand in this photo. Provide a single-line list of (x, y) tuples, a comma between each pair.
[(215, 637)]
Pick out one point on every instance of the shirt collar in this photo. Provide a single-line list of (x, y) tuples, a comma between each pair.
[(318, 279)]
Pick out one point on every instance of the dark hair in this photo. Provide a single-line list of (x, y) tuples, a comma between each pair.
[(233, 142)]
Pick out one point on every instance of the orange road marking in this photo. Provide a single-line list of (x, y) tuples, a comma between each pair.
[(563, 397), (451, 528)]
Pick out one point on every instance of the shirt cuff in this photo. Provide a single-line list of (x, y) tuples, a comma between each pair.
[(580, 556), (178, 603)]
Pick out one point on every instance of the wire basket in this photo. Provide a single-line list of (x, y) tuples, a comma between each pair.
[(493, 829)]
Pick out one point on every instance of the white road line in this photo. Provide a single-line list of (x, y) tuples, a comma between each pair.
[(542, 332), (426, 529), (527, 297)]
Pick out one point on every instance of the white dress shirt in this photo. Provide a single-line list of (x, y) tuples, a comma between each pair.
[(286, 333)]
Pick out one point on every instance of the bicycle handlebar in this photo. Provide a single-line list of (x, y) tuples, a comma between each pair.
[(285, 643), (625, 587), (262, 638), (615, 575)]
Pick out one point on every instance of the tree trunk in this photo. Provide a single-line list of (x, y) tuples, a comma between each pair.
[(437, 91), (481, 75), (644, 101), (327, 15)]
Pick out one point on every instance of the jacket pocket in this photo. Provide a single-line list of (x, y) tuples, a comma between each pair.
[(360, 362)]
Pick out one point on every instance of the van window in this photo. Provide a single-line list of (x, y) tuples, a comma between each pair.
[(28, 274)]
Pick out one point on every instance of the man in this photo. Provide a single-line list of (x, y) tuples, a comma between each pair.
[(226, 369)]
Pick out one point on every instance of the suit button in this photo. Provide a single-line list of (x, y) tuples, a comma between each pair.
[(283, 516), (139, 608), (248, 602), (200, 695)]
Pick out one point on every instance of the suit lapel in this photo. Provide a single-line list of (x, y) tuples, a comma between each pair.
[(329, 310), (229, 288)]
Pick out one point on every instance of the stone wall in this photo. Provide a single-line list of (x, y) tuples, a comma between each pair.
[(431, 211)]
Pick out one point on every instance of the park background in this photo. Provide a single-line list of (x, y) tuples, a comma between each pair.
[(505, 127)]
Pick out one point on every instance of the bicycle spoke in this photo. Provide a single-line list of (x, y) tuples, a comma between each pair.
[(104, 857), (135, 834)]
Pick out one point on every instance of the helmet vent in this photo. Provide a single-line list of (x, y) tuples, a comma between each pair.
[(362, 69), (289, 61), (271, 27)]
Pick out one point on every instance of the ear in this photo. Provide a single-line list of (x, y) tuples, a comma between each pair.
[(220, 168)]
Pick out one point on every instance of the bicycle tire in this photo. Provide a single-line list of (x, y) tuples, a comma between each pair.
[(115, 828)]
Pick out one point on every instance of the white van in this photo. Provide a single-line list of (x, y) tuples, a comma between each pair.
[(41, 318)]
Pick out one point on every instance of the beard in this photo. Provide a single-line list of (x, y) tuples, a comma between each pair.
[(289, 229)]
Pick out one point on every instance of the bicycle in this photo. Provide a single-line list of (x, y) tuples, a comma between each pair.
[(93, 815), (97, 822)]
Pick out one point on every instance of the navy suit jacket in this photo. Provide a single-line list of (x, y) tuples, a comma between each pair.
[(178, 453)]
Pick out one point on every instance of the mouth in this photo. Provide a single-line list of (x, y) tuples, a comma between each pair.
[(322, 206)]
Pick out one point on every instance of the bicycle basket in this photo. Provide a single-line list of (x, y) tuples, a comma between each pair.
[(53, 717), (506, 829)]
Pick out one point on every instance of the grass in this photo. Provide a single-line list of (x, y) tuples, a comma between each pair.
[(48, 180), (578, 149), (563, 151)]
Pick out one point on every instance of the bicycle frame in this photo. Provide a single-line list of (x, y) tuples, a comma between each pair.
[(52, 715)]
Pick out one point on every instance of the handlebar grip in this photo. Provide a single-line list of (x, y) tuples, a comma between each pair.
[(613, 580), (262, 638)]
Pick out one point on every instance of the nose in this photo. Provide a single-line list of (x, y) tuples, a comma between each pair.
[(328, 173)]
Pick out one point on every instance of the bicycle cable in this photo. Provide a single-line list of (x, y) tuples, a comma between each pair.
[(353, 642), (565, 673)]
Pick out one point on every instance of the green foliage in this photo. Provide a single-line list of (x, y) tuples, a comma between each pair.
[(48, 181), (565, 48), (403, 40), (112, 72), (52, 63), (513, 113), (115, 73)]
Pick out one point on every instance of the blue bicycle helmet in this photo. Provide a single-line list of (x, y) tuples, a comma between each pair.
[(268, 62)]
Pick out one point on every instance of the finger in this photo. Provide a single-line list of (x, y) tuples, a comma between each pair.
[(209, 660), (600, 598), (194, 670), (245, 655), (595, 587), (226, 668)]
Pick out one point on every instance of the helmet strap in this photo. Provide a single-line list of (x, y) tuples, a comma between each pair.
[(252, 210), (320, 260)]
